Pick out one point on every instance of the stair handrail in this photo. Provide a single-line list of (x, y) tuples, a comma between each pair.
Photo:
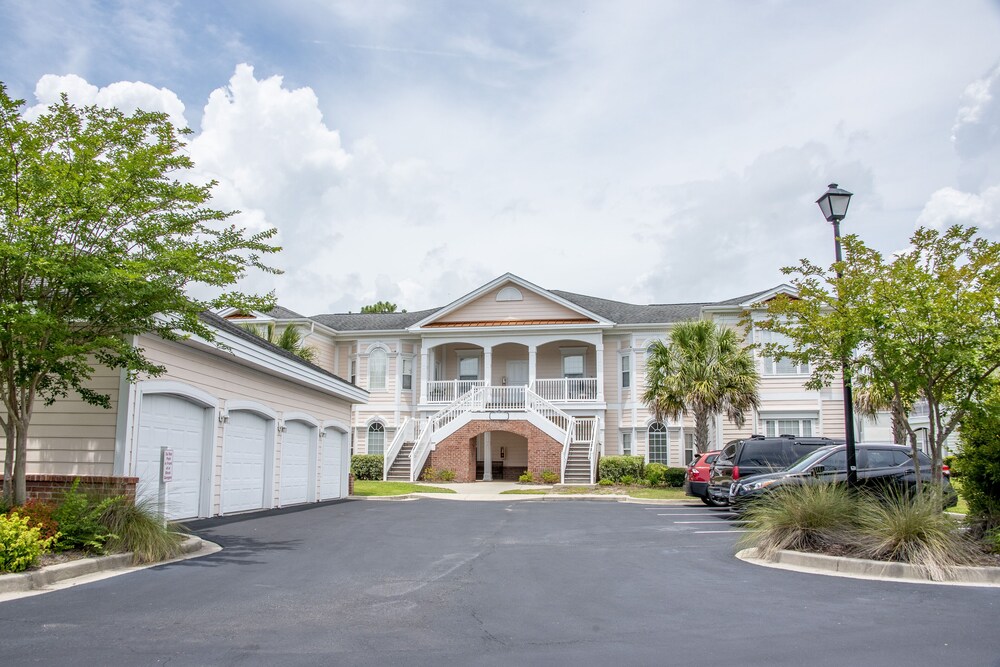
[(596, 446), (544, 408), (422, 447), (567, 442), (390, 454)]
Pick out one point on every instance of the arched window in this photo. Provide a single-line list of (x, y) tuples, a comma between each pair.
[(659, 443), (376, 438), (377, 361), (509, 294)]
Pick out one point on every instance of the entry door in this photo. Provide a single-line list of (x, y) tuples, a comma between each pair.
[(517, 373)]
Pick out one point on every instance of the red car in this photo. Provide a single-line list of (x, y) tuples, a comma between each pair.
[(697, 475)]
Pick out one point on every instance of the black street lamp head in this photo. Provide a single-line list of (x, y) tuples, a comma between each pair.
[(834, 203)]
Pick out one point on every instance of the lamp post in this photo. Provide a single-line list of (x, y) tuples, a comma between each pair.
[(833, 204)]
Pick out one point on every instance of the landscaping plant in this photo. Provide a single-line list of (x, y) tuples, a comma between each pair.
[(978, 464), (550, 477), (40, 514), (79, 517), (617, 467), (526, 478), (137, 526), (20, 543), (910, 529), (804, 518), (367, 466)]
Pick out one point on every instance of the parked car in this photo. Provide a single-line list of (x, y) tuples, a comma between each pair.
[(756, 455), (696, 477), (881, 468)]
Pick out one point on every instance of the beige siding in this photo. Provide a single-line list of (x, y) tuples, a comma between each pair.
[(487, 308), (71, 437)]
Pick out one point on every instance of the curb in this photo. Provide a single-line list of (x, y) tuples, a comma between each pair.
[(46, 576), (858, 568)]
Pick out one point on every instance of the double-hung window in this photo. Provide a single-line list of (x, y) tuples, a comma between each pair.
[(468, 367), (407, 373), (378, 361), (658, 443), (626, 371), (783, 366), (797, 427)]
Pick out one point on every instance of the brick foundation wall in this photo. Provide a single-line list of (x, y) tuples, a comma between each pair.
[(51, 487), (458, 451)]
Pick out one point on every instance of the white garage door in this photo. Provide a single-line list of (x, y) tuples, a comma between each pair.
[(244, 461), (171, 421), (331, 482), (295, 463)]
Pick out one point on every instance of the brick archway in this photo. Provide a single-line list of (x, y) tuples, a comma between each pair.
[(458, 451)]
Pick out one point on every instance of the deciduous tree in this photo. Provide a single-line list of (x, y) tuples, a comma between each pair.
[(102, 233)]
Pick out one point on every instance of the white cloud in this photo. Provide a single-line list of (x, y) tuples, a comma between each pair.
[(949, 206), (126, 95)]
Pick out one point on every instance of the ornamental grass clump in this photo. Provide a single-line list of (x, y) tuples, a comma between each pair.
[(137, 527), (911, 529), (810, 517)]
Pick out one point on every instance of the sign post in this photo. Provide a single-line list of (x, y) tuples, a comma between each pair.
[(166, 475)]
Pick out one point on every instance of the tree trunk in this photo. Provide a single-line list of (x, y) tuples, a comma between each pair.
[(8, 463), (701, 431), (21, 456)]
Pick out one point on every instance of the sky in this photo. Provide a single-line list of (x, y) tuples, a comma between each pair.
[(648, 152)]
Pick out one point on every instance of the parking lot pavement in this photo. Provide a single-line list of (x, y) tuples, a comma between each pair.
[(529, 582)]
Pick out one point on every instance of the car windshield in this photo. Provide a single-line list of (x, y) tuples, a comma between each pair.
[(806, 461)]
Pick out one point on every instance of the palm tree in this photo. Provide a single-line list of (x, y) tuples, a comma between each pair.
[(871, 398), (290, 339), (705, 370)]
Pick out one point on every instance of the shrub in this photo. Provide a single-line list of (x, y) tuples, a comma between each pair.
[(78, 515), (978, 464), (655, 473), (616, 467), (20, 543), (549, 477), (136, 526), (430, 474), (40, 513), (804, 518), (605, 482), (627, 480), (911, 529), (674, 477), (526, 478), (447, 475), (367, 466)]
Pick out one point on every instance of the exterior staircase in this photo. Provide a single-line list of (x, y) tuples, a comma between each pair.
[(578, 464), (399, 471)]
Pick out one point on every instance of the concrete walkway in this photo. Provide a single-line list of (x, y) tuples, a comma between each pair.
[(484, 490)]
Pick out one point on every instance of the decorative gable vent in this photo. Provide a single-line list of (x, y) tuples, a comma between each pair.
[(509, 294)]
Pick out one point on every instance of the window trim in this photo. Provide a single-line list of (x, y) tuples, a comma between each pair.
[(571, 352), (385, 369), (665, 430), (375, 427), (469, 354), (625, 370)]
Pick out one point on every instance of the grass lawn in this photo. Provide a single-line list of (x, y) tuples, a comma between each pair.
[(524, 492), (369, 488), (658, 493)]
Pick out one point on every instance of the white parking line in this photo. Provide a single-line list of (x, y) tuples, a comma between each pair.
[(684, 514), (716, 522)]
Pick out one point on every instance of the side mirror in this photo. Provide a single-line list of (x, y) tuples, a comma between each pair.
[(816, 470)]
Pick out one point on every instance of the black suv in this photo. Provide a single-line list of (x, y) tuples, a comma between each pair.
[(755, 455), (881, 468)]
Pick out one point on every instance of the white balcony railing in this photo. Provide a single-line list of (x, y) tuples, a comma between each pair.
[(446, 391), (567, 389)]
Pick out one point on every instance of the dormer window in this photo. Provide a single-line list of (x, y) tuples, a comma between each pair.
[(510, 294)]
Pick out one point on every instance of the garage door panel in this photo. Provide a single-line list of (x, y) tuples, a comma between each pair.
[(176, 423), (295, 463), (331, 472), (244, 462)]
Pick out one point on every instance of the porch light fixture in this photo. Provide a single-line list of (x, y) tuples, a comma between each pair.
[(833, 204), (223, 418)]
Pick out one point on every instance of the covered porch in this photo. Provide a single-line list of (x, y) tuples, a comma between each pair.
[(562, 370)]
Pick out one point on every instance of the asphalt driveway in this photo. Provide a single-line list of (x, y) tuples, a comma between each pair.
[(431, 582)]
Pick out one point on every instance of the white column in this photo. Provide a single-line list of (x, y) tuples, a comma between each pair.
[(398, 357), (423, 374), (487, 458), (600, 371), (488, 366), (532, 350)]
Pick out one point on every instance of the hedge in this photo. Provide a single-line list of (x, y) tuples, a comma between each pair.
[(616, 467), (367, 466)]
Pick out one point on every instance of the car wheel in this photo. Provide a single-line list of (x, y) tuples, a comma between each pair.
[(714, 503)]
